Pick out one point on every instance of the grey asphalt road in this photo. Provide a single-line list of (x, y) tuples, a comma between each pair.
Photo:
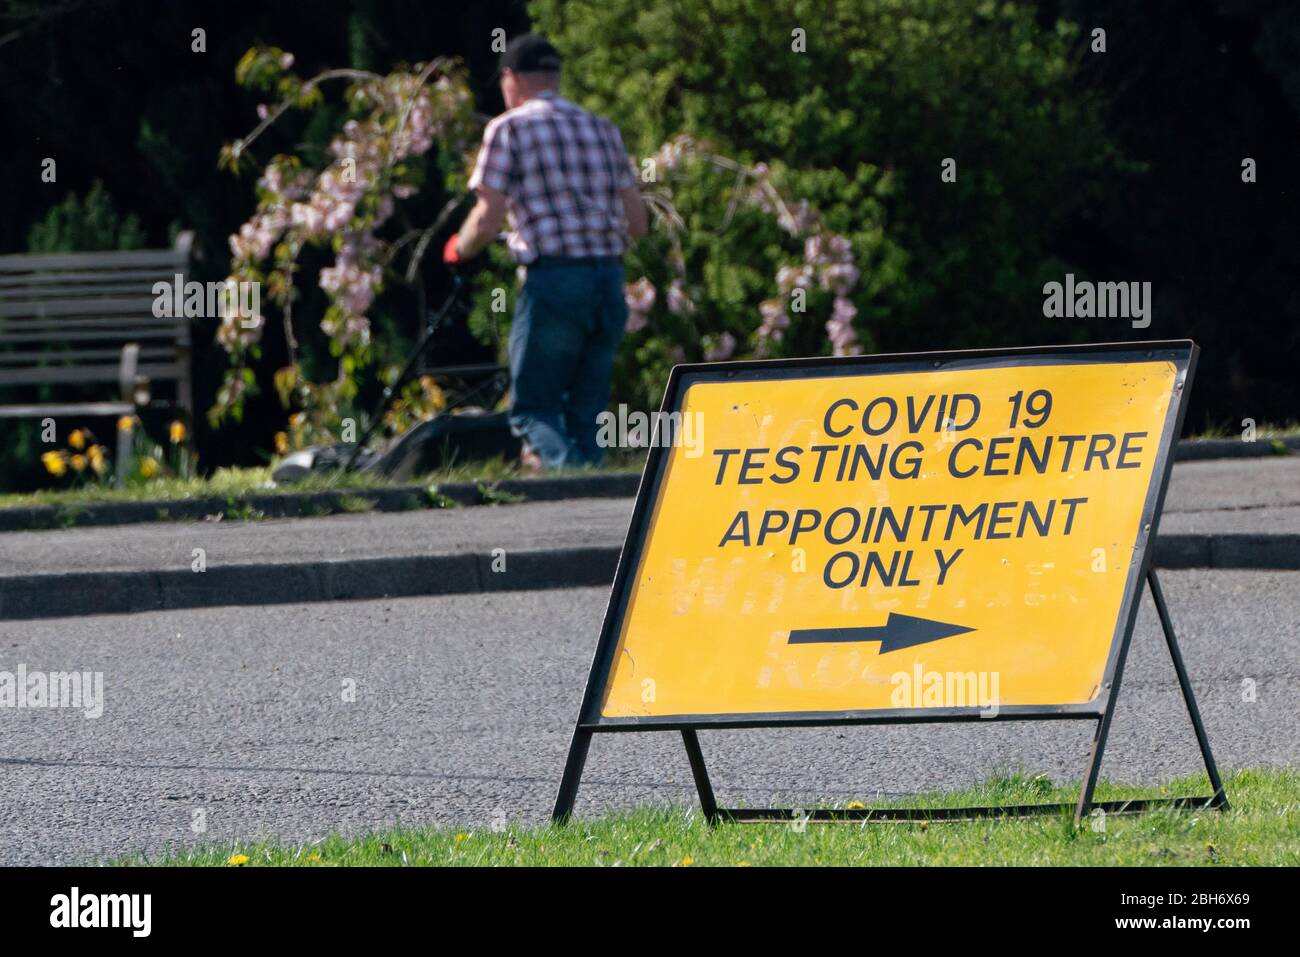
[(1237, 495), (236, 719)]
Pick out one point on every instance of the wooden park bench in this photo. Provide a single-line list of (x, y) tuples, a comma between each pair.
[(87, 320)]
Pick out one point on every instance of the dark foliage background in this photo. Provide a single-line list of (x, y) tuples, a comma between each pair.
[(111, 89)]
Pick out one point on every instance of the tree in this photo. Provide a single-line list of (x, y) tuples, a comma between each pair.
[(339, 198), (855, 106), (91, 224)]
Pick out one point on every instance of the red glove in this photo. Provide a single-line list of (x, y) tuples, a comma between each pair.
[(451, 251)]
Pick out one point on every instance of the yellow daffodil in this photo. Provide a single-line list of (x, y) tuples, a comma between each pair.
[(432, 394), (77, 439), (461, 837), (126, 423), (237, 860), (54, 463), (176, 432), (98, 461), (148, 467), (78, 463), (281, 443)]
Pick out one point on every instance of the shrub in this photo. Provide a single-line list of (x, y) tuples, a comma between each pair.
[(856, 123)]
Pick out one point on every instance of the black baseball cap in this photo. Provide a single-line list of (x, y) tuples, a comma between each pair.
[(530, 53)]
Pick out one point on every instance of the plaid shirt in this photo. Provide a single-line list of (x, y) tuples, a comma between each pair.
[(561, 169)]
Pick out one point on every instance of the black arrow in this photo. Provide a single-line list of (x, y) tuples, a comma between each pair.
[(899, 631)]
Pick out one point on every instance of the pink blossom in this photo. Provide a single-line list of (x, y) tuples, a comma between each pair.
[(841, 250), (844, 339), (338, 217), (679, 303), (307, 218), (775, 322), (348, 330), (257, 237), (802, 219), (839, 277), (237, 332), (671, 154), (286, 182), (789, 278), (395, 117), (640, 299), (719, 349)]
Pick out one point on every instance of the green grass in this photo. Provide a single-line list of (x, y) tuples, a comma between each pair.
[(234, 484), (1263, 828), (1267, 430), (223, 482)]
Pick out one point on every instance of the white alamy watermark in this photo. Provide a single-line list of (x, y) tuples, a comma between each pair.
[(1098, 300), (212, 300), (626, 429), (919, 688), (81, 690), (75, 909)]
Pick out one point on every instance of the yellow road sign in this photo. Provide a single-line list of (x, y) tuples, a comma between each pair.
[(864, 537)]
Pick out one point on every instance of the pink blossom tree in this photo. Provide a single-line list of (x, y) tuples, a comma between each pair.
[(341, 203)]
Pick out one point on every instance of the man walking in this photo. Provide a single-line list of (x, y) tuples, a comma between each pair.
[(565, 180)]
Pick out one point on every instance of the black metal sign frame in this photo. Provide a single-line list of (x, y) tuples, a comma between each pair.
[(1183, 353)]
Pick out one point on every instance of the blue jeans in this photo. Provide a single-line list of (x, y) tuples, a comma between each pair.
[(568, 322)]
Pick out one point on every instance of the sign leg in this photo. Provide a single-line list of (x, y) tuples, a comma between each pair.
[(1185, 683), (707, 802), (573, 766), (1094, 766)]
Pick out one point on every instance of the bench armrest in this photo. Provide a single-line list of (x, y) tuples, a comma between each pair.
[(134, 387)]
